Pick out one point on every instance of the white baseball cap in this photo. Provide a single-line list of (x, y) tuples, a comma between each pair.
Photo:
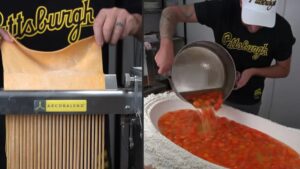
[(259, 12)]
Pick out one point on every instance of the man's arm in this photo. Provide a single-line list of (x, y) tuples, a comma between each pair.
[(169, 19), (279, 70), (173, 15)]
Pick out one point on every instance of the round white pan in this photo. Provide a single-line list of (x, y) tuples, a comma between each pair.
[(157, 105)]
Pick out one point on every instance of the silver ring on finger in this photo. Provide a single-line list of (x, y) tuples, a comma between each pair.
[(120, 24)]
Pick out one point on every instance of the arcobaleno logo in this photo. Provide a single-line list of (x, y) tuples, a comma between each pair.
[(268, 3), (43, 21), (235, 43)]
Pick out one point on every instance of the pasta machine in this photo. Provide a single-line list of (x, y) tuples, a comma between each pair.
[(125, 103)]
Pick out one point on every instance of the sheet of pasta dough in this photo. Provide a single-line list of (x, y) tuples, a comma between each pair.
[(76, 67)]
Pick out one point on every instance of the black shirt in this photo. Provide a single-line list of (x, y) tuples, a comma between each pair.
[(49, 25), (247, 49), (52, 25)]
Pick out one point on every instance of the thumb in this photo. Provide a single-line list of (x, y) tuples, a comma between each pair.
[(237, 85), (5, 36), (160, 71)]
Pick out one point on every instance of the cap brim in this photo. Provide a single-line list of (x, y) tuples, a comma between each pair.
[(252, 17)]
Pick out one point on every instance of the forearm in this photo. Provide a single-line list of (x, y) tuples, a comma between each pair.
[(274, 71), (279, 70), (173, 15), (169, 19), (168, 22)]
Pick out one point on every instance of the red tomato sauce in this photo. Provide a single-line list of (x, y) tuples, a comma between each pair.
[(225, 142), (213, 98)]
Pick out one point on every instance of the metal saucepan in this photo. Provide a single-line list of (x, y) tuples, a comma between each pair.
[(202, 66)]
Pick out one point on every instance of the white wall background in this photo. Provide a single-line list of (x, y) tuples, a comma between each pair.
[(281, 98), (286, 102)]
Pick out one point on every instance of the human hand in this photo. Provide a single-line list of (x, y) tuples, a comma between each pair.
[(165, 56), (4, 35), (243, 78), (113, 24)]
